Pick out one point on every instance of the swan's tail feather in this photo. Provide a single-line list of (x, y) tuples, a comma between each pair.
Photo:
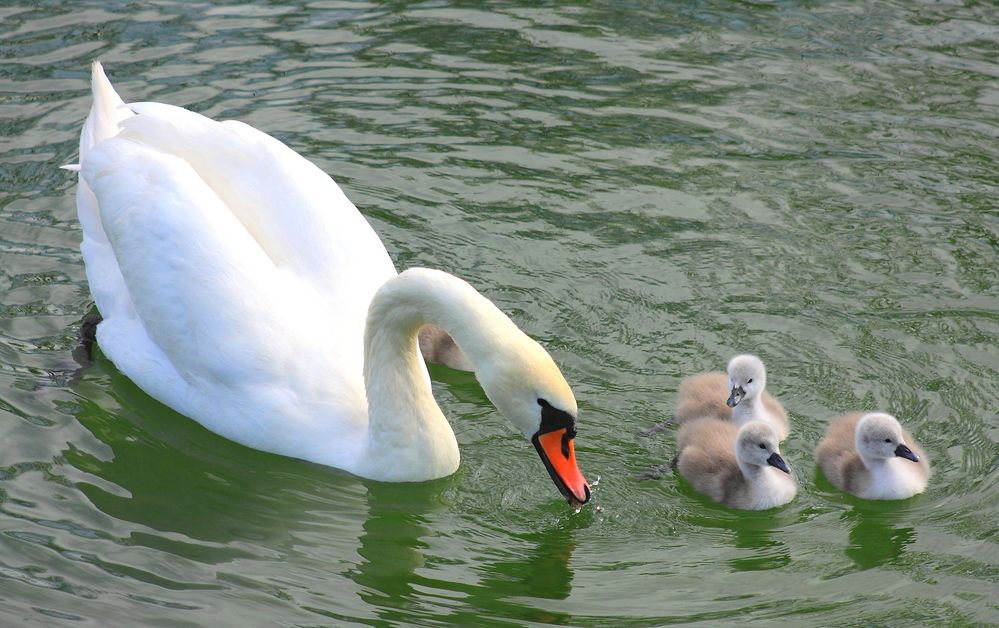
[(106, 284), (106, 113)]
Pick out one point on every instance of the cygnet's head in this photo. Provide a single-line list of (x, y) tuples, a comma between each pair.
[(879, 436), (747, 378), (757, 444)]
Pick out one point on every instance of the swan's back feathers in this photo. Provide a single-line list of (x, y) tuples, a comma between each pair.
[(199, 310), (777, 413), (211, 304), (184, 258), (280, 206), (292, 210), (837, 455), (296, 212), (106, 112)]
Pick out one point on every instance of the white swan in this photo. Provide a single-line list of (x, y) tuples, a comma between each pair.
[(239, 286)]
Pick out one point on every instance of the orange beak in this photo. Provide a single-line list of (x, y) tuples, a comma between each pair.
[(556, 451)]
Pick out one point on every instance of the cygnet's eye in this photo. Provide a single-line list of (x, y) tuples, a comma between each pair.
[(750, 381), (887, 440), (762, 446)]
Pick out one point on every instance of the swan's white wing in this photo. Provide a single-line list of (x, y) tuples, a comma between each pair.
[(180, 251), (233, 275), (295, 211), (219, 331)]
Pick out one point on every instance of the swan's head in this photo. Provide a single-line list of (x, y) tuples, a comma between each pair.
[(879, 436), (524, 383), (757, 444), (747, 377)]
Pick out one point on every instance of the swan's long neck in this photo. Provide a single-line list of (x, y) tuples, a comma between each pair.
[(408, 437)]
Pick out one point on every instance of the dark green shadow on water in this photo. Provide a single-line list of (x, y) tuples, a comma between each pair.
[(752, 530), (173, 476), (876, 536), (400, 571), (461, 384)]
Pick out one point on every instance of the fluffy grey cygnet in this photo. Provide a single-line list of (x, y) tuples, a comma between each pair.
[(739, 467), (739, 395), (869, 455), (439, 347)]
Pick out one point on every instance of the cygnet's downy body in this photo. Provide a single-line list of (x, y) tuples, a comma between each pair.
[(739, 396), (869, 455), (439, 347), (740, 467)]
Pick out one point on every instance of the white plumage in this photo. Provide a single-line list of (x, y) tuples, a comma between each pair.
[(235, 278)]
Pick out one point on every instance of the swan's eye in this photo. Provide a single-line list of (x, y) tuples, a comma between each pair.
[(887, 440), (762, 446), (552, 419), (750, 381)]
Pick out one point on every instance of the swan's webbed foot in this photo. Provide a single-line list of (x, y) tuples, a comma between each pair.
[(83, 353), (658, 427), (655, 471)]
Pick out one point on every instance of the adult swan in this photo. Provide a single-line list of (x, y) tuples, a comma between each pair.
[(239, 286)]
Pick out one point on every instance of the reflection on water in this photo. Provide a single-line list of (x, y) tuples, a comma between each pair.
[(757, 532), (398, 577), (392, 547), (170, 474), (647, 189), (878, 530), (540, 568), (545, 571), (765, 551), (878, 536)]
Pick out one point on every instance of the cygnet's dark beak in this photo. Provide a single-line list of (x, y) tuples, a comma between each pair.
[(776, 461), (737, 394), (903, 451)]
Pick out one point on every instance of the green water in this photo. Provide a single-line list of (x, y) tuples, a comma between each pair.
[(647, 189)]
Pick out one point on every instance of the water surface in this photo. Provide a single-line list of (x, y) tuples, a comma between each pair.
[(647, 189)]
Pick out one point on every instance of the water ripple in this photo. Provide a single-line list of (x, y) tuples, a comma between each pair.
[(647, 189)]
